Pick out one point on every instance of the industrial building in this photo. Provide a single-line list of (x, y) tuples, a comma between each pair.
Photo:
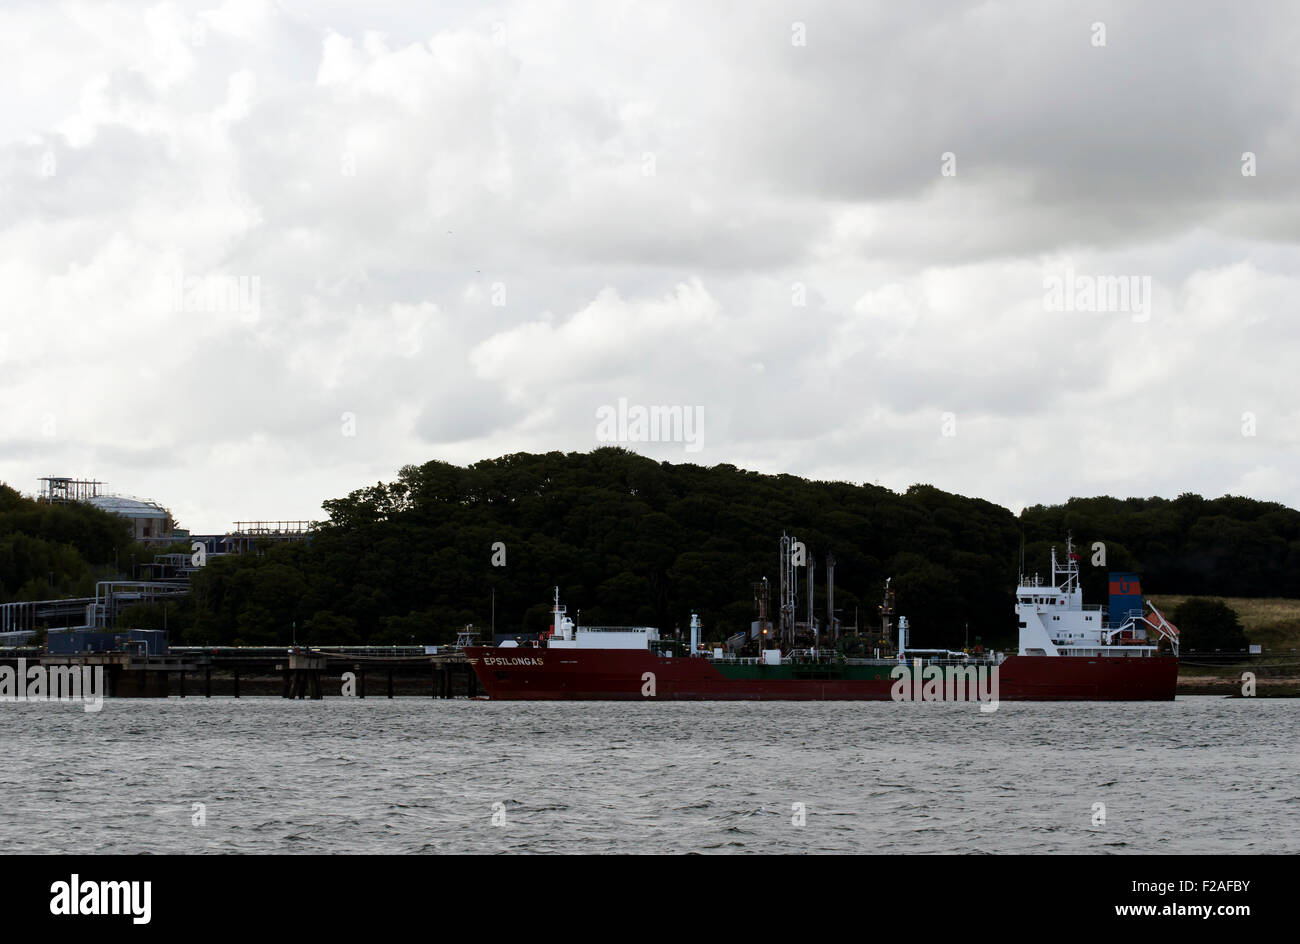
[(150, 521), (89, 624)]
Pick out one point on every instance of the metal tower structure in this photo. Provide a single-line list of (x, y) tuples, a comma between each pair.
[(787, 590), (831, 621), (812, 587), (887, 613), (61, 489)]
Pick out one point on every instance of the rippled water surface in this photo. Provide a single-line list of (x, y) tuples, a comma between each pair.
[(1198, 775)]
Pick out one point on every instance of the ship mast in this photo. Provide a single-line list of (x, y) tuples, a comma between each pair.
[(1070, 570), (561, 624)]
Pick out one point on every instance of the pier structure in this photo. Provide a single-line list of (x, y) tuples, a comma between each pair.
[(126, 674), (302, 676), (308, 673)]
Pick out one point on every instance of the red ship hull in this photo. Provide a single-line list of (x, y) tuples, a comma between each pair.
[(637, 675)]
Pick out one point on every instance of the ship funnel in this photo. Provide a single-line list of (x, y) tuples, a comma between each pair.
[(1125, 598), (695, 635)]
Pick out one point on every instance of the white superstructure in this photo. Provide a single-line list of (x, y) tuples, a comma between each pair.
[(565, 635), (1054, 622)]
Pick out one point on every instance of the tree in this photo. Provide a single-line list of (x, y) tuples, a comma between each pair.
[(632, 541), (1208, 624), (49, 551)]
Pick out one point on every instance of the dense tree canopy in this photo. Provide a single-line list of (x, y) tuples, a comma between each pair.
[(630, 540), (1230, 546), (627, 539), (1205, 624), (57, 550)]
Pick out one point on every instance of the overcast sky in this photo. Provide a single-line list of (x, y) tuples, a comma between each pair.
[(256, 255)]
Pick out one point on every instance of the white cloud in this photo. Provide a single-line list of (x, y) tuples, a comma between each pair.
[(471, 227)]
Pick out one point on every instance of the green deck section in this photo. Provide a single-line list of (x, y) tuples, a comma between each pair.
[(819, 671)]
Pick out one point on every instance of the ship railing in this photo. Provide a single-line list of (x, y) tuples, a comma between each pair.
[(369, 650), (985, 658), (812, 654), (829, 658)]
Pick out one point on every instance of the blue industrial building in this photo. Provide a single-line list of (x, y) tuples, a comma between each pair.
[(69, 642)]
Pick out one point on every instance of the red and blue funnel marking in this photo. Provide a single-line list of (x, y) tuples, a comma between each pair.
[(1125, 597)]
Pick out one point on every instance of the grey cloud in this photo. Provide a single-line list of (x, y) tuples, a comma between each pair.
[(498, 265)]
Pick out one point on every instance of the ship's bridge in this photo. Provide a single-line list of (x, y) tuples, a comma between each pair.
[(1053, 620), (605, 637), (565, 635)]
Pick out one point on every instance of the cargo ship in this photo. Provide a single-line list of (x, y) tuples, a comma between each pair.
[(1067, 652)]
